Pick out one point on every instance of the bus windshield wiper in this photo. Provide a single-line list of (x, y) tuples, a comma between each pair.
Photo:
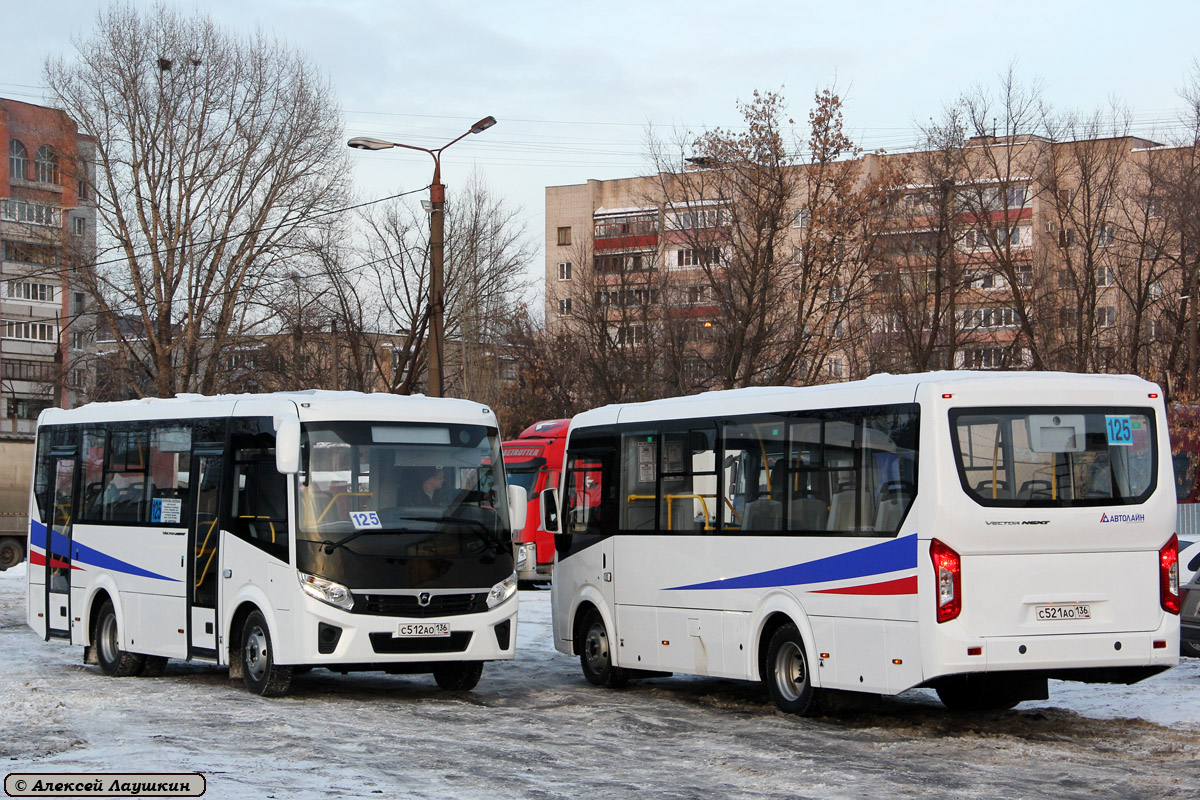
[(474, 523), (331, 546)]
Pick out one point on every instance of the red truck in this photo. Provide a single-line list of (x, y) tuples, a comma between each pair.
[(534, 460)]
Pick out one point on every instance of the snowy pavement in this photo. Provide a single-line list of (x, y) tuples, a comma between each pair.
[(534, 728)]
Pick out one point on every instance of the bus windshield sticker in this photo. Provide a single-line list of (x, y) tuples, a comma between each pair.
[(365, 520), (1120, 431), (166, 510)]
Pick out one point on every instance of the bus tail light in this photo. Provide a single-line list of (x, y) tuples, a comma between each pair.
[(1168, 576), (947, 568)]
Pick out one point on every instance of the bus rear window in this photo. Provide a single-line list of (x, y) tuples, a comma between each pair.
[(1055, 456)]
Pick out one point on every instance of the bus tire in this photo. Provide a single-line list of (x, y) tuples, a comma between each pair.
[(595, 654), (789, 676), (154, 667), (458, 676), (968, 693), (259, 671), (115, 662), (12, 552)]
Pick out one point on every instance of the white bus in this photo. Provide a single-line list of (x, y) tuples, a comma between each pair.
[(977, 533), (273, 533)]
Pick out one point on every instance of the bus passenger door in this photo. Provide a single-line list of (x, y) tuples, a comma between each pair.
[(205, 537), (58, 548)]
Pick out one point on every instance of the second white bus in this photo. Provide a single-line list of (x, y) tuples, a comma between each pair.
[(272, 533), (977, 533)]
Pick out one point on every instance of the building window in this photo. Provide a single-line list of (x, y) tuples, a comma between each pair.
[(564, 270), (984, 358), (837, 367), (29, 407), (632, 225), (564, 236), (82, 190), (23, 369), (1106, 316), (991, 318), (78, 226), (29, 331), (20, 211), (46, 164), (17, 160), (695, 257), (32, 254), (1066, 237), (26, 290), (1105, 276), (1106, 236), (800, 218), (564, 306)]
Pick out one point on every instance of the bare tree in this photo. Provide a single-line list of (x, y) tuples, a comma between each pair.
[(487, 253), (214, 153)]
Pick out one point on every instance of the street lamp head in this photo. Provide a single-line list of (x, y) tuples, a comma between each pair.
[(367, 143), (483, 125)]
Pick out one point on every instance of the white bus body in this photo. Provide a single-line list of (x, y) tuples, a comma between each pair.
[(270, 532), (894, 552)]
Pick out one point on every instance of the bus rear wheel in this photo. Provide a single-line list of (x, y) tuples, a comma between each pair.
[(789, 677), (113, 660), (595, 654), (458, 676), (259, 670)]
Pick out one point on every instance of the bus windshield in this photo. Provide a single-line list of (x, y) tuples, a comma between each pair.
[(1017, 457), (401, 490)]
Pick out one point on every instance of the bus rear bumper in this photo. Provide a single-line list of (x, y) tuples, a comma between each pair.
[(1094, 658), (333, 638)]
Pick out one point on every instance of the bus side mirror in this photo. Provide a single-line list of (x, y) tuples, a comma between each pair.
[(518, 502), (550, 510), (287, 446)]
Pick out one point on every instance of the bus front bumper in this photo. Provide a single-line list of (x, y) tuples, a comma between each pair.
[(327, 636)]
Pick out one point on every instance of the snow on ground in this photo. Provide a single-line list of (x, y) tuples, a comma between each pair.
[(535, 728)]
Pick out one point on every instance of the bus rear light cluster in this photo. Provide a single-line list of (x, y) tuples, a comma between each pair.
[(1168, 576), (947, 569)]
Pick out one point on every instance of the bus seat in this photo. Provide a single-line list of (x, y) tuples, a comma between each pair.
[(1034, 489), (763, 515), (897, 496), (841, 509), (683, 514), (809, 514), (985, 489)]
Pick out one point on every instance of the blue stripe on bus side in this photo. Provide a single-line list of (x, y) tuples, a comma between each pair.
[(84, 555), (877, 559)]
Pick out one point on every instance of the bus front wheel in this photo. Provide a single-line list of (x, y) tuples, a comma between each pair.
[(788, 675), (458, 676), (595, 654), (113, 660), (259, 670)]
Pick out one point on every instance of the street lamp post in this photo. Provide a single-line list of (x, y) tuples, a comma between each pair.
[(437, 245)]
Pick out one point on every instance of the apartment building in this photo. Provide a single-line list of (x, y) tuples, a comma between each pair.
[(1025, 253), (47, 227)]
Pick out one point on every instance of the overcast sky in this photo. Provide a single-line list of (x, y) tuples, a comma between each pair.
[(575, 85)]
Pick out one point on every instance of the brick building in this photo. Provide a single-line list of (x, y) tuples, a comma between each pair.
[(47, 226), (1024, 253)]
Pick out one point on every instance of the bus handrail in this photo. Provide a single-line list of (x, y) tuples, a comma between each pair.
[(334, 499), (211, 553)]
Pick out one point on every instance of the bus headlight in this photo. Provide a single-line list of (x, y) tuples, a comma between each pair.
[(327, 591), (502, 591)]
